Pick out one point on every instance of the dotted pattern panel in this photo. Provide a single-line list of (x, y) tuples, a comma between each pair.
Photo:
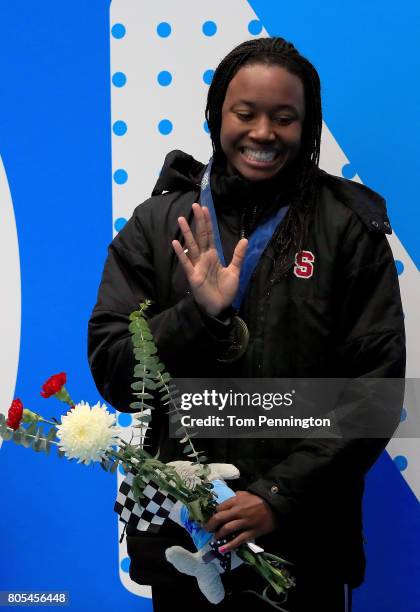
[(162, 57), (11, 307)]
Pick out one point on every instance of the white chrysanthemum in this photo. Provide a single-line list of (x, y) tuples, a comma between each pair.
[(86, 433), (189, 472)]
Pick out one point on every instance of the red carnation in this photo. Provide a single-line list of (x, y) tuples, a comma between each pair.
[(54, 384), (14, 416)]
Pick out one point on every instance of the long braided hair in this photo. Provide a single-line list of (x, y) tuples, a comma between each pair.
[(289, 236)]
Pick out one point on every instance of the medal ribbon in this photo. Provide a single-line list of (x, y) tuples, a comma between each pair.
[(257, 241)]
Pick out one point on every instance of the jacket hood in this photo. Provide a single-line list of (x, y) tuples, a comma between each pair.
[(366, 203), (180, 172)]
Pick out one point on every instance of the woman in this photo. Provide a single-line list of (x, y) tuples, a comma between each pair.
[(317, 294)]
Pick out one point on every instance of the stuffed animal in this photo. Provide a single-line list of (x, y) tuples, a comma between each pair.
[(206, 564)]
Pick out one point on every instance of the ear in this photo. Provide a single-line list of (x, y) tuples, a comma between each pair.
[(225, 471)]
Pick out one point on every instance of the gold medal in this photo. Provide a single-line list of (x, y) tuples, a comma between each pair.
[(239, 339)]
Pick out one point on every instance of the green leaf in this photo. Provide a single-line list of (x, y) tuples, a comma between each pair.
[(144, 418), (37, 445), (26, 441), (149, 384), (187, 449), (137, 386), (32, 429), (174, 418), (145, 406), (17, 436), (144, 395), (136, 405), (52, 434), (8, 434), (114, 467)]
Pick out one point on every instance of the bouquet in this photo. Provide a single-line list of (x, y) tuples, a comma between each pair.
[(186, 491)]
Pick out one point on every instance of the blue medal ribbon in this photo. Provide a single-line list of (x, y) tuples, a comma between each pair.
[(257, 241)]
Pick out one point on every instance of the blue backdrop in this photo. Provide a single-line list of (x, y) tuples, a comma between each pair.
[(59, 531)]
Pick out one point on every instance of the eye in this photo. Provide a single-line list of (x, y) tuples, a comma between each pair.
[(244, 116), (285, 119)]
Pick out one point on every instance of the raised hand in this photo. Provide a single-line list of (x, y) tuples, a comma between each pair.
[(213, 285)]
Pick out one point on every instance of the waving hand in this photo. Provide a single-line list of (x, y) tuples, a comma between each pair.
[(213, 285)]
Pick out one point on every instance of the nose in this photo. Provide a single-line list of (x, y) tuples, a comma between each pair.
[(263, 129)]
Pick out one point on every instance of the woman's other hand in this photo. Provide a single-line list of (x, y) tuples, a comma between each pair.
[(245, 512), (213, 286)]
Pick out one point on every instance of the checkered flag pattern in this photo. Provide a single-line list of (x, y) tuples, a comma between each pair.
[(155, 508)]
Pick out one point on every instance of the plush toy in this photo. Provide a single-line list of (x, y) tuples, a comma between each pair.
[(207, 563)]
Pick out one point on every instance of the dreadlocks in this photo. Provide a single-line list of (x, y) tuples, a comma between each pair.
[(290, 234)]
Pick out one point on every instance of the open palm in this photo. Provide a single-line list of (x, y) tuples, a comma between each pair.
[(213, 285)]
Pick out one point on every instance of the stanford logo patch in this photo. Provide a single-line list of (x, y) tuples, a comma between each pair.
[(304, 264)]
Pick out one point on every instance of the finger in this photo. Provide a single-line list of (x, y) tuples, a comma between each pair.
[(213, 523), (219, 518), (209, 227), (241, 538), (201, 235), (183, 259), (239, 254), (190, 243), (227, 504), (231, 527)]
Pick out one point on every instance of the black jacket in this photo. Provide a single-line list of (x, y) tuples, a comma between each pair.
[(345, 320)]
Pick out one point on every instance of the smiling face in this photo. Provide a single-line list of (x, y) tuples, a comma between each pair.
[(262, 121)]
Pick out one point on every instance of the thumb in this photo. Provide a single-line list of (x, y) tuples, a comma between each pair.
[(239, 254)]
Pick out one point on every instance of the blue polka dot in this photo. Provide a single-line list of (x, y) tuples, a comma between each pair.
[(164, 78), (206, 127), (125, 420), (165, 127), (121, 470), (400, 462), (119, 79), (208, 76), (118, 30), (125, 564), (119, 128), (255, 27), (164, 29), (120, 176), (400, 266), (209, 28), (348, 172), (403, 415), (119, 224)]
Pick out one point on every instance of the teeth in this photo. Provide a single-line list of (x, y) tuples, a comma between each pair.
[(258, 155)]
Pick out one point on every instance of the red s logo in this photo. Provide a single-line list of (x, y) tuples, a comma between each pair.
[(304, 267)]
